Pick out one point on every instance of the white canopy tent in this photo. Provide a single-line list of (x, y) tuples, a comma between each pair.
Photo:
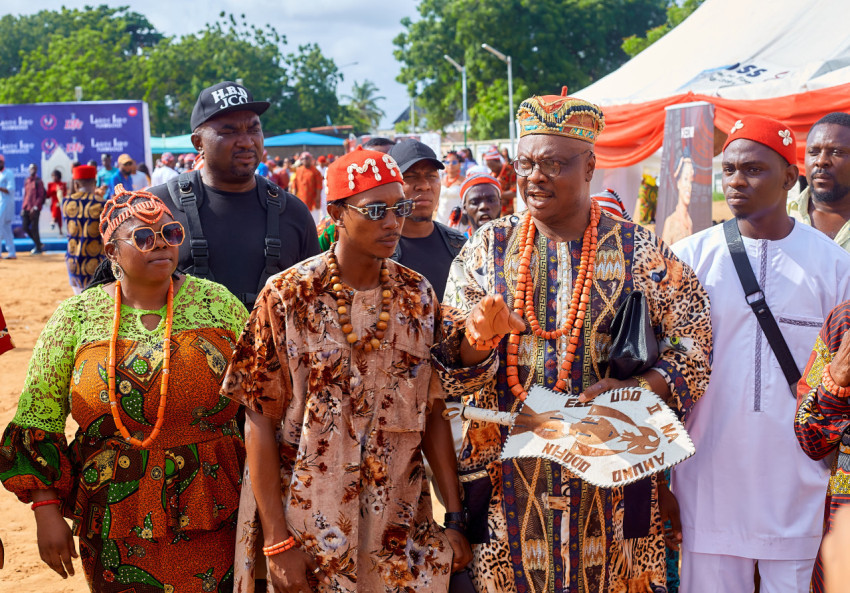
[(728, 49), (738, 49)]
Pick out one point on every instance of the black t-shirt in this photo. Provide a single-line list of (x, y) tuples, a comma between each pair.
[(430, 257), (234, 226)]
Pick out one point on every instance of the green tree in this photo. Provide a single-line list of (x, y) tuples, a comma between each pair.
[(553, 43), (20, 35), (311, 99), (176, 70), (676, 13), (363, 103), (117, 54)]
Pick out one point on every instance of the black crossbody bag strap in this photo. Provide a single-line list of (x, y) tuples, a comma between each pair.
[(198, 246), (755, 299)]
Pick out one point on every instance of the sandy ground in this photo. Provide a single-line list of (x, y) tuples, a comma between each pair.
[(30, 289)]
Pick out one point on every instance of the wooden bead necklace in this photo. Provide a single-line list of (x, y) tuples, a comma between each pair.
[(524, 302), (166, 365), (372, 341)]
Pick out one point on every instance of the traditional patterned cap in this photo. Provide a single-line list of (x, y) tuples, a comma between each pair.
[(140, 204), (562, 116), (84, 172), (764, 130), (360, 170), (478, 179)]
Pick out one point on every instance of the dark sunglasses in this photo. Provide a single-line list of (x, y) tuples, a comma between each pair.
[(144, 237), (379, 210)]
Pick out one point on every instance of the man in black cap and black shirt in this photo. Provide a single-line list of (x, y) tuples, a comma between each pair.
[(426, 246), (241, 228)]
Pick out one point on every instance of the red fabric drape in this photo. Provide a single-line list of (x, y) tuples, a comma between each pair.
[(634, 131)]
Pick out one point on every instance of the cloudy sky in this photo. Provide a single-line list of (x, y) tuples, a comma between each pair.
[(357, 35)]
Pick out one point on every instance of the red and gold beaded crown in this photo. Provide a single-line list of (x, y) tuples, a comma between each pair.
[(560, 115), (141, 204)]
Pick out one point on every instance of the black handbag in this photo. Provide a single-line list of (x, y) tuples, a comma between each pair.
[(634, 347)]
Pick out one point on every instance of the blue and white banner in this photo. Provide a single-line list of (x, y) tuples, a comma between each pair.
[(56, 135)]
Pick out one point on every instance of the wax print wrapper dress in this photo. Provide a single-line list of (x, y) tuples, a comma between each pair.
[(352, 477), (153, 520), (541, 528)]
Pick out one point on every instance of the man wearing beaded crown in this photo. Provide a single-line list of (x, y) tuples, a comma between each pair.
[(537, 528), (335, 369), (773, 514)]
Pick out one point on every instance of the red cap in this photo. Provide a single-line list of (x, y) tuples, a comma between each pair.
[(358, 171), (84, 172), (764, 130), (478, 179), (321, 159)]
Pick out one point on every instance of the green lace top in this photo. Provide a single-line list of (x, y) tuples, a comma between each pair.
[(86, 318)]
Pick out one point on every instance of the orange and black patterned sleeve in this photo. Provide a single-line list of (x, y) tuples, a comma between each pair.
[(822, 417), (258, 376)]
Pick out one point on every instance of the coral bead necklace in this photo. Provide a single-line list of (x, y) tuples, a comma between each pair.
[(524, 302), (372, 341), (166, 365)]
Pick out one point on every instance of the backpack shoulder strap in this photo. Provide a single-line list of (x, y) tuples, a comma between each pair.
[(183, 193), (275, 202)]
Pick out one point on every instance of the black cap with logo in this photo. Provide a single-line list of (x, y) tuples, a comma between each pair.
[(224, 97), (409, 152)]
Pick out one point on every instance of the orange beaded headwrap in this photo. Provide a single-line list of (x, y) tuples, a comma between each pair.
[(128, 204)]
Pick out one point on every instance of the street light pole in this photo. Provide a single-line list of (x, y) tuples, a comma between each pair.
[(462, 70), (507, 60)]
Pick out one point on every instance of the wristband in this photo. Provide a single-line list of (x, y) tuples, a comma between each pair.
[(42, 503), (455, 525), (280, 547), (830, 384)]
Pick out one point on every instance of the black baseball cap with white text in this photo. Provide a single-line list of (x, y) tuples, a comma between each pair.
[(224, 97)]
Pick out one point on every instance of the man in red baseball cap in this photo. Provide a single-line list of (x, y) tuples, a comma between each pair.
[(336, 360), (750, 494)]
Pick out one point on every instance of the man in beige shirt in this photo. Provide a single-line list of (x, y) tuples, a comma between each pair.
[(825, 203)]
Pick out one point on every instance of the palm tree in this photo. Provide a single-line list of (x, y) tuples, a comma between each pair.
[(363, 101)]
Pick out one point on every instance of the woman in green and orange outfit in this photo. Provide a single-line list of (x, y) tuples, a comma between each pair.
[(152, 477)]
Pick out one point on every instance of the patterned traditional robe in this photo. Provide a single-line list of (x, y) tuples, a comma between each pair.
[(545, 529), (81, 211), (351, 425), (822, 421)]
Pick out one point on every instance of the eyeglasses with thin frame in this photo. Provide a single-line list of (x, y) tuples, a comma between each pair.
[(144, 237), (378, 210), (549, 167)]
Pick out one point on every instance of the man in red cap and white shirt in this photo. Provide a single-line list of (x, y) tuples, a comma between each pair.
[(166, 171), (750, 494), (334, 368)]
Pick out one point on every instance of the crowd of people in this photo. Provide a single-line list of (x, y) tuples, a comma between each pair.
[(259, 356)]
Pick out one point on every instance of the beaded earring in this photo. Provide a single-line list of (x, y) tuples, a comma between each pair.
[(117, 270)]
